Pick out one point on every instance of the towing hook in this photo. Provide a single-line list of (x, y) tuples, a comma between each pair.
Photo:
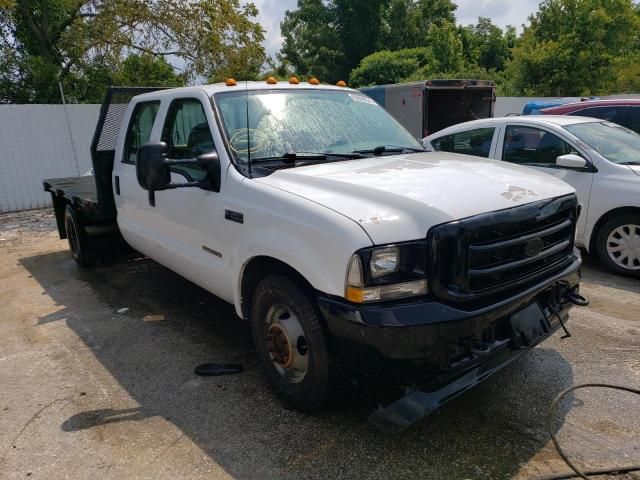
[(577, 299)]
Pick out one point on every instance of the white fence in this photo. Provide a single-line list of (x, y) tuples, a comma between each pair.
[(49, 141), (41, 141)]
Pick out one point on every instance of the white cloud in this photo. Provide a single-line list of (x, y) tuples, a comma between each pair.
[(271, 13), (501, 12)]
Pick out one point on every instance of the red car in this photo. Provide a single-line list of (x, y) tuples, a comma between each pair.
[(624, 111)]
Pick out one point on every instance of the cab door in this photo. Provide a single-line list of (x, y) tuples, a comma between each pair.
[(193, 238), (538, 148)]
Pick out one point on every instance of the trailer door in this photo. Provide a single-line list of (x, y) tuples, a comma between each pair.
[(445, 107)]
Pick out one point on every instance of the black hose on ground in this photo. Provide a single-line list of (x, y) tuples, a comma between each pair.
[(576, 471)]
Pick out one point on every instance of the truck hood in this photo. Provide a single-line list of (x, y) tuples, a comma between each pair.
[(398, 198)]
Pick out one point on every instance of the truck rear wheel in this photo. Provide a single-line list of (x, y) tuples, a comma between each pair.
[(79, 243), (291, 344)]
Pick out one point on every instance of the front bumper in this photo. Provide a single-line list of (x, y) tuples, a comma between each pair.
[(443, 348)]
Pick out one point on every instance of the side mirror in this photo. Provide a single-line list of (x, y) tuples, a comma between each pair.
[(571, 160), (211, 163), (151, 166)]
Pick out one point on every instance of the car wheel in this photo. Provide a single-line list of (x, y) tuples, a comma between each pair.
[(79, 244), (291, 344), (618, 245)]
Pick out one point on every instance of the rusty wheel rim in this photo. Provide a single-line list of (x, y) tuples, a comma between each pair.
[(286, 344)]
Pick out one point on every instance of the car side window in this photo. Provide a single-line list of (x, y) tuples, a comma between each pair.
[(472, 142), (187, 135), (533, 146), (634, 119), (611, 114), (139, 131)]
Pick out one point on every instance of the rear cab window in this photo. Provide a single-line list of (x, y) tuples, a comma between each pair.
[(139, 130), (471, 142)]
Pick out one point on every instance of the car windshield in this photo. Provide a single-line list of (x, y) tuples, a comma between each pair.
[(617, 144), (307, 121)]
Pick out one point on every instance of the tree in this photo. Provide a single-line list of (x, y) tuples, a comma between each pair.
[(572, 47), (390, 67), (312, 44), (77, 41), (359, 25), (487, 45)]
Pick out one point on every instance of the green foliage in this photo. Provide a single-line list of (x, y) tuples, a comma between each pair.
[(487, 45), (390, 67), (311, 40), (85, 44), (332, 37), (575, 47)]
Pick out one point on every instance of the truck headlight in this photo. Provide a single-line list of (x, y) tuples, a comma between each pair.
[(387, 273)]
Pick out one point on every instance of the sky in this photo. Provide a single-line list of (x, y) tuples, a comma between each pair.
[(501, 12)]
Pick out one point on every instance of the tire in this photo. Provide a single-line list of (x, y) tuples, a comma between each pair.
[(79, 243), (619, 254), (281, 311)]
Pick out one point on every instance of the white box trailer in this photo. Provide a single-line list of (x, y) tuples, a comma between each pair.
[(428, 106)]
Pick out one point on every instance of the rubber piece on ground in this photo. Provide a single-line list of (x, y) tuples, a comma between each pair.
[(217, 369)]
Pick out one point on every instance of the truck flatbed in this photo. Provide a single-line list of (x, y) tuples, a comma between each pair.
[(79, 191)]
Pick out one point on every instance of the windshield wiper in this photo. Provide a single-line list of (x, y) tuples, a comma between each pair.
[(294, 157), (633, 162), (380, 149)]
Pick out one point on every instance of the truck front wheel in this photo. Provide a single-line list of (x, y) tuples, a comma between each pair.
[(291, 344), (78, 241)]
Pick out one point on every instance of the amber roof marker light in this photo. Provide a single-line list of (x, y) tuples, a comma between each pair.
[(272, 80), (341, 83), (314, 81), (230, 82), (293, 80)]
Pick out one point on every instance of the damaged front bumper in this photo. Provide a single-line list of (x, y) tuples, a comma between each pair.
[(441, 350)]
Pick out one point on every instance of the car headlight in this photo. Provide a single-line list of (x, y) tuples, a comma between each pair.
[(387, 273)]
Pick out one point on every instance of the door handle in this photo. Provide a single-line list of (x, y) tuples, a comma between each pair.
[(117, 184)]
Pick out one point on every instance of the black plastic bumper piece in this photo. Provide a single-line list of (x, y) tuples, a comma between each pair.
[(442, 348)]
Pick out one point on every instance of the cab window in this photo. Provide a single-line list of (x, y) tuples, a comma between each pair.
[(187, 135), (472, 142), (533, 146), (139, 131)]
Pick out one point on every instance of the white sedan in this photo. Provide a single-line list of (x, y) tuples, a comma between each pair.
[(601, 160)]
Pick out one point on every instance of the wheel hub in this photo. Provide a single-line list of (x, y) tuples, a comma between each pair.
[(623, 246), (286, 344), (278, 345)]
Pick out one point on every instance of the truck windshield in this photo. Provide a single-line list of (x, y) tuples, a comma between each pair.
[(307, 121), (615, 143)]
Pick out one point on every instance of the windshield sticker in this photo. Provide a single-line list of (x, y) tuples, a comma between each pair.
[(362, 98)]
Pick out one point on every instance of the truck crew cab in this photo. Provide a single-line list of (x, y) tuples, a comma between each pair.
[(321, 219)]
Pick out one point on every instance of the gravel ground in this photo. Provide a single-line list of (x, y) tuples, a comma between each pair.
[(96, 381)]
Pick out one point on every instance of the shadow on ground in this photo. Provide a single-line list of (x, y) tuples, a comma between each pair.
[(237, 421)]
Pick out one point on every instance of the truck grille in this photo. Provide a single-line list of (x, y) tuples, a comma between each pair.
[(501, 251)]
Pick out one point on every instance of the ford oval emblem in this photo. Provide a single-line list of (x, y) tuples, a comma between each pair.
[(533, 247)]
